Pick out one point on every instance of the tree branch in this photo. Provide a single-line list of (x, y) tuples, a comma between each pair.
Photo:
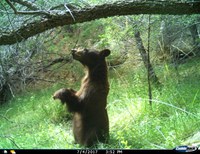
[(28, 4), (35, 12), (55, 61), (12, 140), (68, 10), (99, 11), (6, 118), (145, 59), (11, 5)]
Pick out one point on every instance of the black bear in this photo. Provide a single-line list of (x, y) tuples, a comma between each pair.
[(88, 104)]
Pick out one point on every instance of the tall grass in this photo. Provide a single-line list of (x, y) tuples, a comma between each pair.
[(34, 120)]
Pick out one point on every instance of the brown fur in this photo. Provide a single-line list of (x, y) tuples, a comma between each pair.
[(88, 104)]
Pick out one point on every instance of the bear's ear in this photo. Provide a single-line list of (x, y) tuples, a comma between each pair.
[(105, 52)]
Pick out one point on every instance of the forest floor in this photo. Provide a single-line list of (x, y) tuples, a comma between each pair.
[(33, 120)]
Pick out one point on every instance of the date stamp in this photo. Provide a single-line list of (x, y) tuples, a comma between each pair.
[(87, 151)]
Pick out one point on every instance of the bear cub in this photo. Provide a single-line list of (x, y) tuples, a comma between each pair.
[(88, 104)]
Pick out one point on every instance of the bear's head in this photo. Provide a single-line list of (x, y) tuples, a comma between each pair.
[(89, 57)]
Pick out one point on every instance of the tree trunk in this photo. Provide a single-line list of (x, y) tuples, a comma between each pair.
[(72, 15), (165, 40), (195, 38), (5, 93), (153, 78)]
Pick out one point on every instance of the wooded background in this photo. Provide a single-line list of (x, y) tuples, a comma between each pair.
[(28, 29), (155, 53)]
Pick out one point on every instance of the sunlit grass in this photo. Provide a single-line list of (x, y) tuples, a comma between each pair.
[(34, 120)]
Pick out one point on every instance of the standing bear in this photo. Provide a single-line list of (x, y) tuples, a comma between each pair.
[(88, 104)]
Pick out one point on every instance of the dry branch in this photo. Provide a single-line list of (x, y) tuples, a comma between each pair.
[(34, 12), (55, 61), (89, 13), (145, 59), (28, 4)]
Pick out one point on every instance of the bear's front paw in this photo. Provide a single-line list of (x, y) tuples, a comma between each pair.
[(64, 95)]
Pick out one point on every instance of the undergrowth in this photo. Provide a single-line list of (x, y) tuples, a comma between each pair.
[(34, 120)]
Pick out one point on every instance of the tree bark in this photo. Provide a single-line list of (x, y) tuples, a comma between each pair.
[(77, 15), (152, 76), (195, 38)]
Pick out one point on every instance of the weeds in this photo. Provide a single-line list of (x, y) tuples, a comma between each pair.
[(34, 120)]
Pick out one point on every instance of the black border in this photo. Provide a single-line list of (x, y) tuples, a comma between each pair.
[(88, 151)]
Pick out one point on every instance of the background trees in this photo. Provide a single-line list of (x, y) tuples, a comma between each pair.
[(173, 38), (34, 56)]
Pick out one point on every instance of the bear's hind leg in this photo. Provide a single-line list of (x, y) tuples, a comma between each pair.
[(90, 139)]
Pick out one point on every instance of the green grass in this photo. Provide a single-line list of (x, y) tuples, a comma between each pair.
[(34, 120)]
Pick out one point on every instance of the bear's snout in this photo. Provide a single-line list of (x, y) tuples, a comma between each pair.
[(73, 51), (77, 55), (54, 97)]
